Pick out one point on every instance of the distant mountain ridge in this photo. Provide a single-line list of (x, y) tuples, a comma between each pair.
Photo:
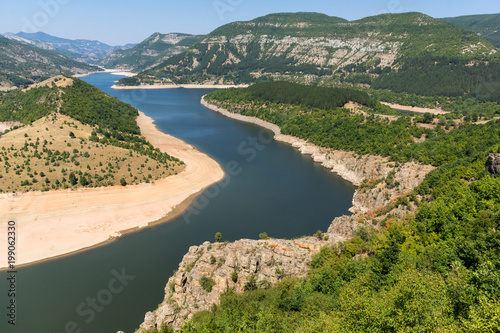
[(151, 52), (487, 26), (22, 64), (83, 50), (386, 51)]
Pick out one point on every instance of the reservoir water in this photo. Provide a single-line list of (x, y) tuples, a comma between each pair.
[(111, 287)]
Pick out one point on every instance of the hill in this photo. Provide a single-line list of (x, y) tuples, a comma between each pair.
[(21, 64), (486, 26), (152, 51), (409, 52), (82, 50), (74, 135)]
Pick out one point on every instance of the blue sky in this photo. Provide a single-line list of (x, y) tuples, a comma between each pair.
[(117, 22)]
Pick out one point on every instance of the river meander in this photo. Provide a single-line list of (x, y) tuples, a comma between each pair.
[(270, 187)]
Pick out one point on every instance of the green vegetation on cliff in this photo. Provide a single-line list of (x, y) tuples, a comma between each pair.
[(435, 271)]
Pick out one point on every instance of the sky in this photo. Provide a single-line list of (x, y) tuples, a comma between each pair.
[(119, 22)]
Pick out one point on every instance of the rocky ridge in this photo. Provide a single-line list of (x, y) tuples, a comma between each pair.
[(265, 262), (233, 266)]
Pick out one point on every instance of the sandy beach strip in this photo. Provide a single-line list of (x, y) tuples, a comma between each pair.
[(185, 86), (111, 71), (415, 109), (59, 222)]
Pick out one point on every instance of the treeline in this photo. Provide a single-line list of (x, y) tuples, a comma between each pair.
[(293, 93), (29, 106), (430, 76), (91, 106)]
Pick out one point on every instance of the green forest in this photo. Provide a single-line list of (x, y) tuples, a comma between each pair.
[(435, 271)]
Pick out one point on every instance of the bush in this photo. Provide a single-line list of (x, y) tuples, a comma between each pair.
[(234, 276), (218, 237), (207, 283)]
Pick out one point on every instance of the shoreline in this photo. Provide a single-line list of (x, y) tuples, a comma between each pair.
[(318, 154), (64, 222), (346, 164), (175, 86), (112, 71)]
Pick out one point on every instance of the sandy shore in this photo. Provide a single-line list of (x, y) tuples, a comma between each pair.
[(55, 223), (186, 86), (415, 109), (112, 71)]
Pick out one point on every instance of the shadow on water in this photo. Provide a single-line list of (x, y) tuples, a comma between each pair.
[(110, 288)]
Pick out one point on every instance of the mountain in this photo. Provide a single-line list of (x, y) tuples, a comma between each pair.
[(390, 51), (22, 64), (151, 52), (486, 26), (88, 51)]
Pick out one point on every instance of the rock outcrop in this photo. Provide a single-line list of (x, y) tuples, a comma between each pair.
[(493, 163), (230, 266)]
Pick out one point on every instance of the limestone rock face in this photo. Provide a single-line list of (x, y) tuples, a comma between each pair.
[(493, 163), (265, 261)]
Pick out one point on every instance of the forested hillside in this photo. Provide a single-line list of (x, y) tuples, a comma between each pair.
[(22, 65), (411, 53), (152, 51), (487, 26), (434, 271)]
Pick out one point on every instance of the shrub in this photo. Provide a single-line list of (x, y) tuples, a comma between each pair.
[(207, 283)]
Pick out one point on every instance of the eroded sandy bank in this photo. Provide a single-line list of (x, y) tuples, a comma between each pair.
[(55, 223)]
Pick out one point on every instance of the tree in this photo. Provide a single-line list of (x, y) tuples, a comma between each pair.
[(72, 179), (72, 135), (123, 182), (218, 237)]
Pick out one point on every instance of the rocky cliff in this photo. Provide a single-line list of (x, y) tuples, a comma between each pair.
[(313, 47), (210, 269), (232, 266)]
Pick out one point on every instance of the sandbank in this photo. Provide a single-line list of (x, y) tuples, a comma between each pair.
[(56, 223), (415, 109), (112, 71), (186, 86)]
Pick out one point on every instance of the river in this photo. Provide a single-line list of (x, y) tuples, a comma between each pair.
[(110, 288)]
